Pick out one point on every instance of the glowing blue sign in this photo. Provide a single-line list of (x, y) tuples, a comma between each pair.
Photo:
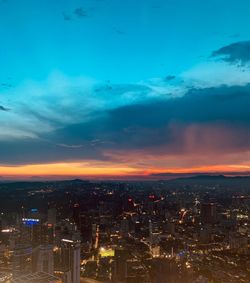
[(30, 221)]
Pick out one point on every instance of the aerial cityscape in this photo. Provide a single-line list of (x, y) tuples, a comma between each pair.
[(193, 229), (125, 141)]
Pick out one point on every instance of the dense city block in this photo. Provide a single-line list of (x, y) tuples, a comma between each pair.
[(184, 230)]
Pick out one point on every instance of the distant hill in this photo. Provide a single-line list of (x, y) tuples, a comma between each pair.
[(207, 177), (37, 184), (212, 180)]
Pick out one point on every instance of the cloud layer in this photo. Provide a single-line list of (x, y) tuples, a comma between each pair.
[(190, 119), (238, 52)]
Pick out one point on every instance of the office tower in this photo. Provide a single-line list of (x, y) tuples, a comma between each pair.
[(1, 227), (124, 228), (86, 228), (205, 235), (76, 215), (155, 250), (68, 261), (22, 260), (171, 228), (153, 232), (43, 259), (52, 216), (51, 226), (238, 242), (36, 234), (129, 205), (119, 274), (165, 270), (94, 235), (49, 234), (30, 231), (137, 227), (208, 213), (34, 213)]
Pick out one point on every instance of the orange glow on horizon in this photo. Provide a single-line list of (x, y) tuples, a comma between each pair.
[(65, 169), (88, 169), (203, 169)]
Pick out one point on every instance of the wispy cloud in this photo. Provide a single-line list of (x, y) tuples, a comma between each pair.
[(80, 12), (66, 17), (238, 52), (2, 108)]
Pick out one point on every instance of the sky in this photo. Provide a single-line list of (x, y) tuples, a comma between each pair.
[(118, 89)]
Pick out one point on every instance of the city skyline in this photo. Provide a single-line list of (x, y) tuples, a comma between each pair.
[(108, 89)]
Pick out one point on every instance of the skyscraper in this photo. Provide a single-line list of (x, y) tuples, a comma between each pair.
[(120, 266), (52, 216), (69, 261), (208, 213), (124, 227), (43, 260), (22, 260), (165, 270), (76, 215)]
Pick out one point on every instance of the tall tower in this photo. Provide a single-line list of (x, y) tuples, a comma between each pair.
[(165, 270), (70, 261), (153, 232), (124, 227), (76, 215), (120, 266), (22, 260), (43, 259), (208, 213), (52, 216)]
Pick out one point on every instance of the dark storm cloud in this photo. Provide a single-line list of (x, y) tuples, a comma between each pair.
[(203, 120), (236, 52), (164, 122), (198, 105), (28, 150)]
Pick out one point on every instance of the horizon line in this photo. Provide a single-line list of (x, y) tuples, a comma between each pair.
[(150, 177)]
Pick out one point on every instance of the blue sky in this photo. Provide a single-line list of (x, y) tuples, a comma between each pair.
[(125, 82), (122, 41)]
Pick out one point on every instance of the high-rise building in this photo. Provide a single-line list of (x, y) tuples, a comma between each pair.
[(76, 215), (22, 260), (153, 232), (208, 213), (36, 234), (155, 250), (1, 227), (124, 228), (165, 270), (68, 261), (52, 216), (30, 231), (86, 228), (43, 259), (119, 273)]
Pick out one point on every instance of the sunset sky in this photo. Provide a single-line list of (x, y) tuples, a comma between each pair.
[(108, 88)]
